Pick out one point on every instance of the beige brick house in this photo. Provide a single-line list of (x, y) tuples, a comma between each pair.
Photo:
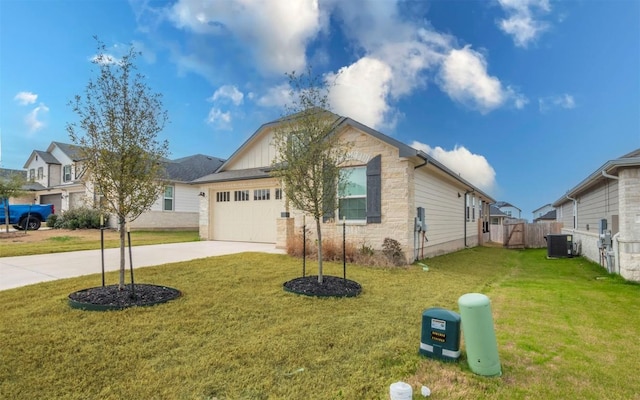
[(608, 200), (244, 202)]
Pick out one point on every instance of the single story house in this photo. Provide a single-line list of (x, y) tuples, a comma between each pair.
[(57, 177), (243, 202), (608, 200)]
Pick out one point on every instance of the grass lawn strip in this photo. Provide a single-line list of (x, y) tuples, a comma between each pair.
[(235, 334), (59, 241)]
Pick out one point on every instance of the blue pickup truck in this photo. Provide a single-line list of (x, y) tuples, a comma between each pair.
[(25, 216)]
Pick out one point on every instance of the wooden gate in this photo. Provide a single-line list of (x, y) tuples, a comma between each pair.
[(520, 235), (514, 235)]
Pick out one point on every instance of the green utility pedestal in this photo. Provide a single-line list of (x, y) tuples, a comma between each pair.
[(479, 336), (440, 334)]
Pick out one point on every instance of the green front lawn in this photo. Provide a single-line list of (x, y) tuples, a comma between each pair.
[(564, 328), (57, 241)]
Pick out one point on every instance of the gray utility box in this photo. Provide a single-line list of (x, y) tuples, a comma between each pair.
[(440, 334)]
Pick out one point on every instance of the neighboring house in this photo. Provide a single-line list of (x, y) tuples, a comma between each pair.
[(510, 210), (27, 197), (496, 216), (550, 216), (245, 203), (542, 211), (611, 194), (58, 177)]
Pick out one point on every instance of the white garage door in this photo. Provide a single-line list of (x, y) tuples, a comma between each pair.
[(247, 215), (55, 199)]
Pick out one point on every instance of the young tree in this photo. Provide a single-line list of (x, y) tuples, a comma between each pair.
[(11, 185), (308, 153), (119, 122)]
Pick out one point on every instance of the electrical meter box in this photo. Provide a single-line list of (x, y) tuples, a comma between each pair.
[(440, 334)]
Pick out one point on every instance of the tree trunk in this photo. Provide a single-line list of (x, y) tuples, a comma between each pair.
[(123, 226), (6, 215), (319, 232)]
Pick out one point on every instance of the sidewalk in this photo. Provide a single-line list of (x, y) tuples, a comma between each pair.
[(27, 270)]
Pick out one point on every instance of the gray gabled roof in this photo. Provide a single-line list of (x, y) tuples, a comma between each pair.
[(190, 168), (71, 150), (340, 123), (611, 167), (495, 212), (6, 173), (549, 216)]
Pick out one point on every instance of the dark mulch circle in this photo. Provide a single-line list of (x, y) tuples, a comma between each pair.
[(332, 286), (112, 298)]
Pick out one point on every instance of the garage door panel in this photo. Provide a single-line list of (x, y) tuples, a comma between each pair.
[(247, 221)]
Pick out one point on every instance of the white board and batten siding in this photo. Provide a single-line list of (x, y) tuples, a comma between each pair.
[(259, 154)]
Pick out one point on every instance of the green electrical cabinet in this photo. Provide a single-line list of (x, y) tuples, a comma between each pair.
[(440, 334)]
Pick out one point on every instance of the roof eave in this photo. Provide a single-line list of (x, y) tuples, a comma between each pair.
[(610, 167)]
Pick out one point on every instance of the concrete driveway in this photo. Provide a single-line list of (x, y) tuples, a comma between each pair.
[(27, 270)]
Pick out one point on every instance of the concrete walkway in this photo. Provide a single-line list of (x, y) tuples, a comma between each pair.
[(27, 270)]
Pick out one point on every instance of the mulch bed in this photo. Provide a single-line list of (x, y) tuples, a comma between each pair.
[(112, 298), (332, 286)]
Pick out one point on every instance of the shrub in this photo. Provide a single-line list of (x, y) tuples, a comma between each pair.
[(79, 218), (393, 251), (363, 254), (51, 220)]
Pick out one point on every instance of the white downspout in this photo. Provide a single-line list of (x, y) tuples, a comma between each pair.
[(616, 252), (610, 176), (575, 212)]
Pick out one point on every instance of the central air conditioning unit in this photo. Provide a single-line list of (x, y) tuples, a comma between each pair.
[(559, 246)]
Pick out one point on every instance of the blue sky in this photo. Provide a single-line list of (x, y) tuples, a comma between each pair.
[(524, 98)]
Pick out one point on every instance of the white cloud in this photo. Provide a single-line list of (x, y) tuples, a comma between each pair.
[(33, 119), (147, 54), (565, 101), (105, 59), (465, 79), (26, 98), (276, 96), (228, 92), (399, 54), (361, 91), (474, 168), (522, 21), (277, 30), (219, 119)]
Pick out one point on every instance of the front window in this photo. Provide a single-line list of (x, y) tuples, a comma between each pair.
[(168, 199), (40, 172), (32, 174), (352, 196), (66, 173)]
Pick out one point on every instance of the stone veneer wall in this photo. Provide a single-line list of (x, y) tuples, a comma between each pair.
[(629, 219), (396, 196)]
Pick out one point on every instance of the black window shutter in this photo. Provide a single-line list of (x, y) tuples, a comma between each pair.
[(374, 191)]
